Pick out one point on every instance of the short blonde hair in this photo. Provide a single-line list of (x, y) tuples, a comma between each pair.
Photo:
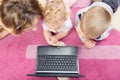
[(55, 12), (95, 21)]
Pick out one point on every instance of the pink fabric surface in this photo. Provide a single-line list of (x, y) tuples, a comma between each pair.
[(98, 52), (82, 3), (14, 65)]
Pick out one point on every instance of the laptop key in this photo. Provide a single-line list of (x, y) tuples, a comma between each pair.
[(57, 62)]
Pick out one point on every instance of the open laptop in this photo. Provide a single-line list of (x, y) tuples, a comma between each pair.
[(57, 61)]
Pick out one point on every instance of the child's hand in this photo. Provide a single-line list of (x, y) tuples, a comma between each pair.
[(53, 41), (89, 43)]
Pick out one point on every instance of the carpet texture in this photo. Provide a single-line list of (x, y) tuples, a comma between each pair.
[(14, 65)]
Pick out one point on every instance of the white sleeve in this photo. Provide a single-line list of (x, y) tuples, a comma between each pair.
[(77, 19), (105, 34), (45, 27), (68, 25)]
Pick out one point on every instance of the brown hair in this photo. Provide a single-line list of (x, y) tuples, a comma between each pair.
[(55, 12), (95, 21), (17, 14)]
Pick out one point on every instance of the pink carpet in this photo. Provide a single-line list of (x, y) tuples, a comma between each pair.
[(14, 65), (98, 52)]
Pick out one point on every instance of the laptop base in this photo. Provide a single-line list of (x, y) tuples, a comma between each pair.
[(63, 61), (56, 75)]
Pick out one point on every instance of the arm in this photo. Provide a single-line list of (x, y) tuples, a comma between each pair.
[(47, 35), (114, 4), (61, 35), (80, 33), (51, 40), (87, 42), (66, 28)]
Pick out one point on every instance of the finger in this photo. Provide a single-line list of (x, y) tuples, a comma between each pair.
[(90, 46)]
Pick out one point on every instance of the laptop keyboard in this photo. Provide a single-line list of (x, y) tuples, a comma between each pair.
[(56, 63)]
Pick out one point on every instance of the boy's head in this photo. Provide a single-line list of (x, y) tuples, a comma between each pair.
[(95, 21), (55, 14), (19, 15)]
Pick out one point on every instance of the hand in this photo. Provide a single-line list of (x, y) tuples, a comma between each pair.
[(89, 43), (52, 41)]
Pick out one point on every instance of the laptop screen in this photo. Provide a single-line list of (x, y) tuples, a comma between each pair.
[(57, 50)]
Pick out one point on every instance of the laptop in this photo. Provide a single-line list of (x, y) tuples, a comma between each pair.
[(57, 61)]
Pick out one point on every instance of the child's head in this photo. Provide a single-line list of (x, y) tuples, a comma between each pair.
[(55, 14), (95, 21), (19, 15)]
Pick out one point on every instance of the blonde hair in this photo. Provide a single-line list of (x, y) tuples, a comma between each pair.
[(95, 21), (55, 12)]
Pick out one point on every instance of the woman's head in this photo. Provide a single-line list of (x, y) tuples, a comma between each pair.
[(19, 15), (55, 14), (95, 21)]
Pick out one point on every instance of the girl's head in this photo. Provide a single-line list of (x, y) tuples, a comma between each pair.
[(55, 14), (95, 21), (19, 15)]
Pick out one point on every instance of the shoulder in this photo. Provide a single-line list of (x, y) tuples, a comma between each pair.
[(68, 23), (79, 15), (44, 25), (112, 3), (105, 34)]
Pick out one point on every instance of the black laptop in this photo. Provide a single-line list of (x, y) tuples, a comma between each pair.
[(57, 61)]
